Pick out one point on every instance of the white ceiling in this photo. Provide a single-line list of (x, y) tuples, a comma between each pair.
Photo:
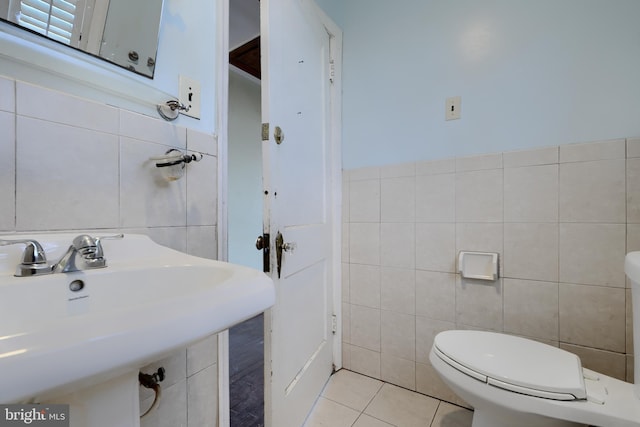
[(244, 22)]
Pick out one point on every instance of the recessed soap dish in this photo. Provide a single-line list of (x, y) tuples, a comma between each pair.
[(478, 265)]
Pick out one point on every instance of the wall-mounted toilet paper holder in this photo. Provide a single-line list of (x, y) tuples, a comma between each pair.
[(478, 265)]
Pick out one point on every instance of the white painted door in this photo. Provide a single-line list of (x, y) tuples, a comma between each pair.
[(299, 180)]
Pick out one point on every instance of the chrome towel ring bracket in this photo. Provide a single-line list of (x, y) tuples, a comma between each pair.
[(171, 109)]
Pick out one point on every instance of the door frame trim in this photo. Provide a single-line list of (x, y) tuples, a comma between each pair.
[(222, 119)]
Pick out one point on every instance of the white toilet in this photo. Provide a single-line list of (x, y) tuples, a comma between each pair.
[(516, 382)]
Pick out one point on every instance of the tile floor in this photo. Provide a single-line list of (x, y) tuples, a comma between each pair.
[(353, 400)]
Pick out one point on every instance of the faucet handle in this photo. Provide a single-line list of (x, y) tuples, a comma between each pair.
[(90, 247), (99, 250), (113, 237), (33, 252), (34, 260), (85, 245)]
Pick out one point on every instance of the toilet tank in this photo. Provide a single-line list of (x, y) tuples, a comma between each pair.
[(632, 270)]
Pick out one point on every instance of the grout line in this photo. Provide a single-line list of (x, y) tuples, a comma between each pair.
[(435, 413)]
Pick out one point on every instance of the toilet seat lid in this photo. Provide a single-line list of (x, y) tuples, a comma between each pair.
[(514, 363)]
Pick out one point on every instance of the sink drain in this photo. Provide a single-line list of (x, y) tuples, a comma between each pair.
[(76, 285)]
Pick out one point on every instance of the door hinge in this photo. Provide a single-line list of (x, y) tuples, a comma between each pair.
[(332, 70), (265, 131), (334, 324)]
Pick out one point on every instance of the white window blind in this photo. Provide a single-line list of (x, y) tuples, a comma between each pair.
[(53, 18)]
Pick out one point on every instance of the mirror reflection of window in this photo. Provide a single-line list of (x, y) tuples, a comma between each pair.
[(55, 19), (124, 32)]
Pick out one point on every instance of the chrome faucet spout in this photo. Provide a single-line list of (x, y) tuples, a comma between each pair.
[(67, 262)]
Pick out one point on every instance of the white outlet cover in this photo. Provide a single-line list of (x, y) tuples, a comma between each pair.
[(190, 96), (452, 108)]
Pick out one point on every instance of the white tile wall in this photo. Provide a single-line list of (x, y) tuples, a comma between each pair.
[(71, 164), (593, 191), (540, 184), (476, 163), (397, 171), (398, 290), (364, 243), (165, 202), (479, 304), (7, 95), (202, 241), (429, 382), (173, 237), (535, 157), (7, 169), (592, 254), (629, 322), (435, 167), (202, 397), (561, 218), (593, 316), (435, 295), (398, 370), (65, 177), (203, 143), (150, 129), (57, 107), (364, 206), (202, 192), (601, 360), (202, 355), (365, 361), (633, 147), (365, 285), (397, 199), (398, 335), (531, 251), (479, 196), (426, 330), (365, 327), (436, 246), (397, 245), (633, 190), (435, 197), (584, 152), (531, 309)]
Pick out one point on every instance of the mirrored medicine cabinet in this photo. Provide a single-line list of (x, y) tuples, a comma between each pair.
[(122, 32)]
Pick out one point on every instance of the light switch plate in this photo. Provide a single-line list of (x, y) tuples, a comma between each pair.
[(190, 96), (452, 108)]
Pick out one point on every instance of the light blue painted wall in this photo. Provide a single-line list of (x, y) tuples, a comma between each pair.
[(530, 73), (188, 46), (245, 171)]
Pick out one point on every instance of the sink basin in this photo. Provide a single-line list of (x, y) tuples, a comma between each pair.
[(148, 301)]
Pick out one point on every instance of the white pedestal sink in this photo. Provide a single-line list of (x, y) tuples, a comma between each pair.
[(148, 301)]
